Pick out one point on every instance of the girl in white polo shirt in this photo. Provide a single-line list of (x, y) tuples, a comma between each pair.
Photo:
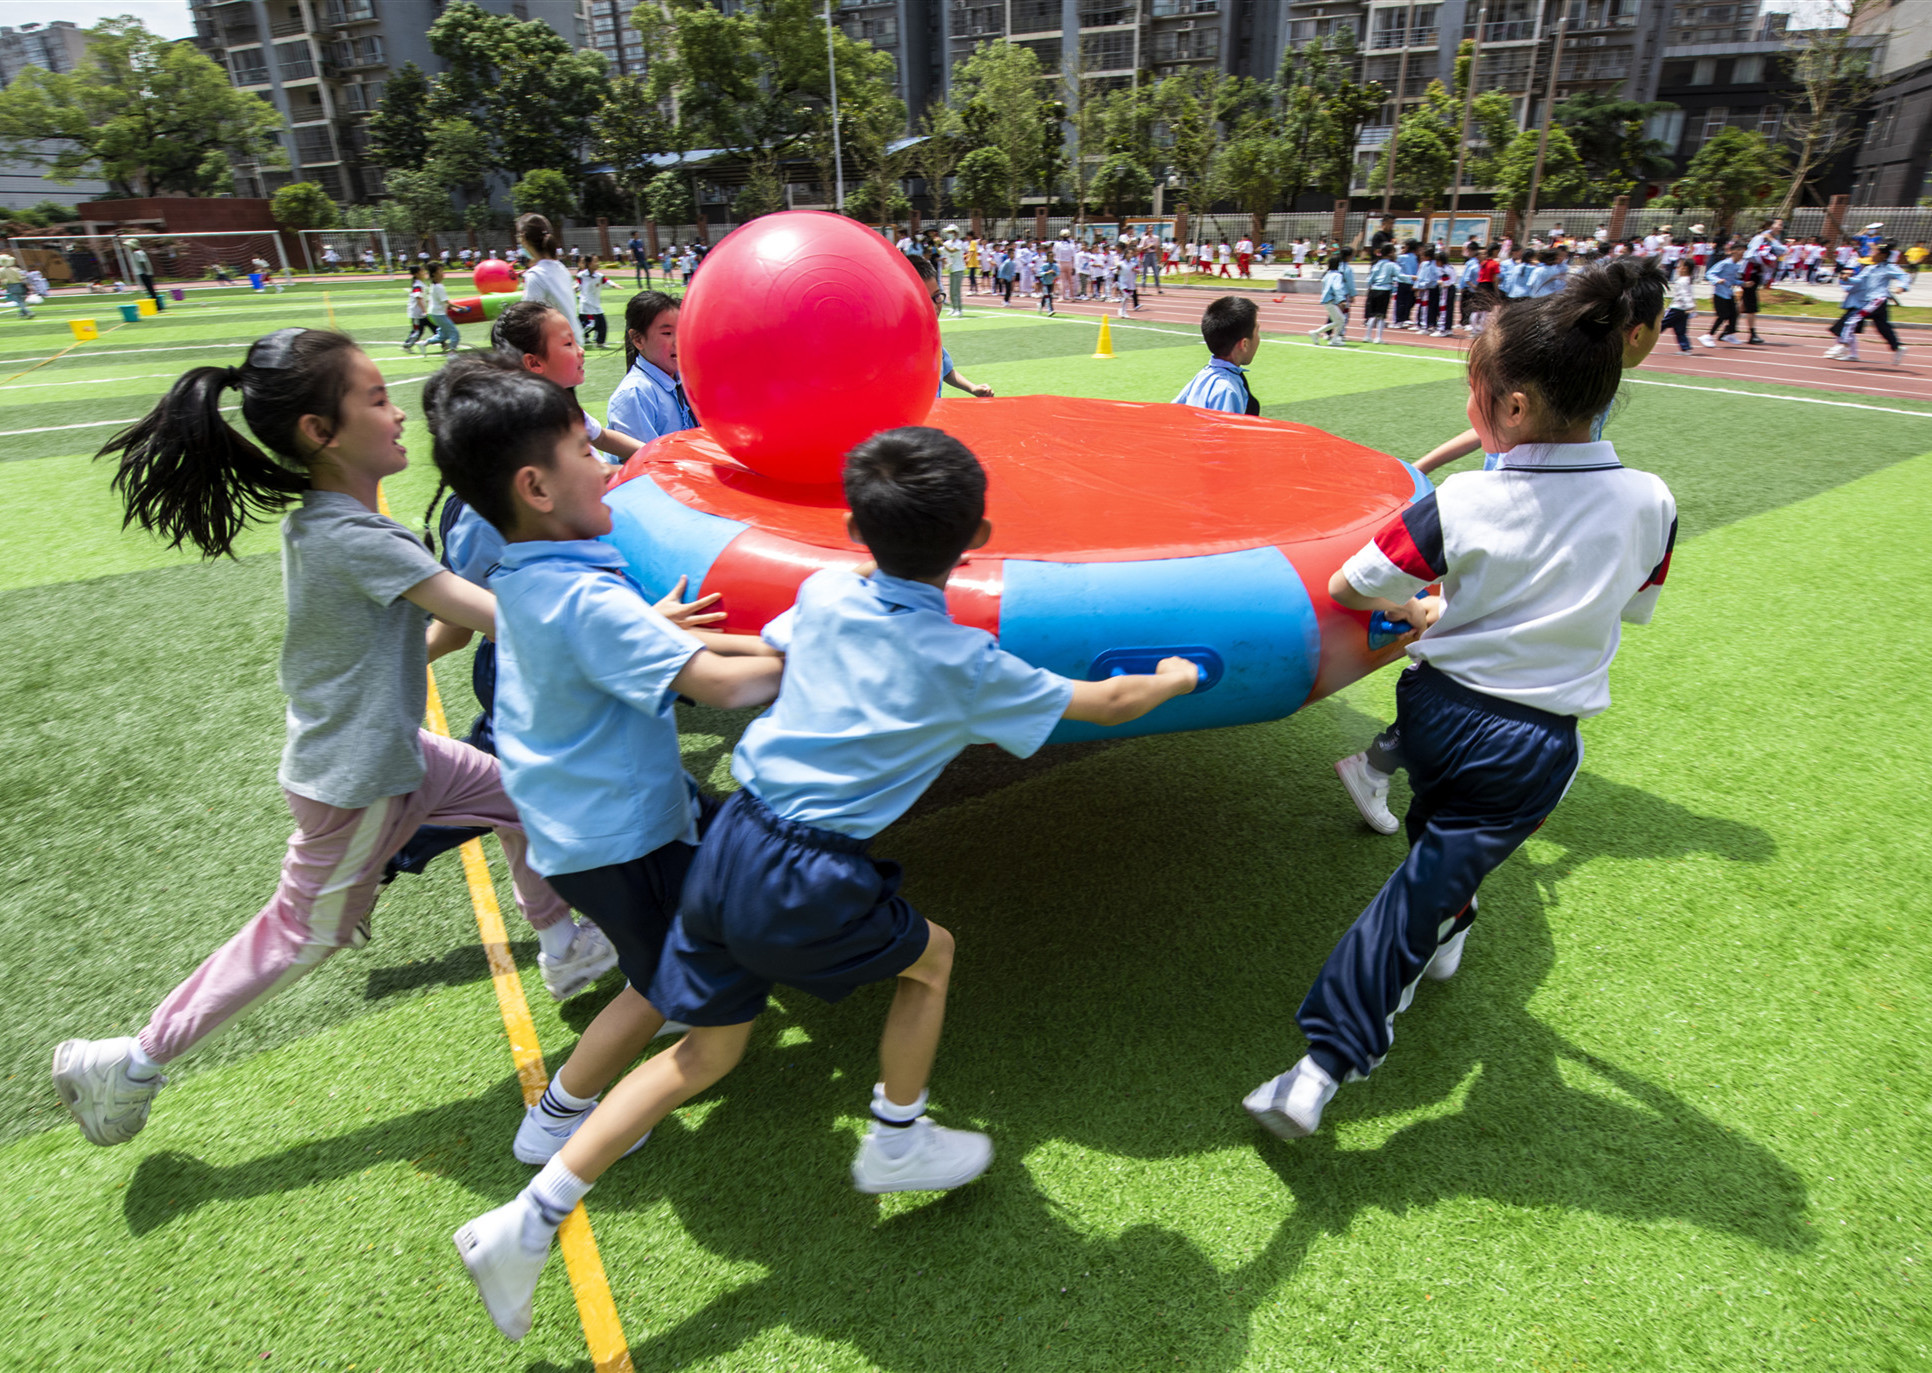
[(1541, 561)]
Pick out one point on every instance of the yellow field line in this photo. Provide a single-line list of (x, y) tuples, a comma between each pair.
[(596, 1309), (64, 352)]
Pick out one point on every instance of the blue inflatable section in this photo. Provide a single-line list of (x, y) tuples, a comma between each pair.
[(1248, 609), (663, 539), (1423, 486)]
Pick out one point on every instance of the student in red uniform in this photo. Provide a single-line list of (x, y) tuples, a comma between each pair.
[(1541, 561)]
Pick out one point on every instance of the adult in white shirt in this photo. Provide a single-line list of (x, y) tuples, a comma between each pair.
[(547, 279), (1065, 257)]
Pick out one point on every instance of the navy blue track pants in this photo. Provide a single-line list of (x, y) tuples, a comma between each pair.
[(1485, 774)]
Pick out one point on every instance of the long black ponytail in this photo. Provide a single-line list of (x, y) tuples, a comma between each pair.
[(187, 474)]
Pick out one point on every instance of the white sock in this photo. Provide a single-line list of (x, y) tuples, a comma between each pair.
[(555, 1192), (556, 940), (141, 1068), (558, 1107)]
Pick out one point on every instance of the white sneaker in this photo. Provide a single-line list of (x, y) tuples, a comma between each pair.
[(537, 1143), (1291, 1105), (589, 958), (1837, 350), (1448, 958), (1898, 356), (938, 1159), (1708, 341), (91, 1077), (1315, 334), (496, 1249), (1370, 795)]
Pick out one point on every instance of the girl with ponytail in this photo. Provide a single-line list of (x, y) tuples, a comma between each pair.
[(1540, 561), (358, 772), (547, 280)]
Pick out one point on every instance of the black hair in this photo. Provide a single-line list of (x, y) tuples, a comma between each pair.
[(535, 233), (1565, 351), (924, 266), (188, 475), (917, 496), (519, 329), (1335, 261), (1226, 321), (639, 313), (489, 419)]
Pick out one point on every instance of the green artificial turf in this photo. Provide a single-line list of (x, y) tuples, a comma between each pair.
[(1671, 1114)]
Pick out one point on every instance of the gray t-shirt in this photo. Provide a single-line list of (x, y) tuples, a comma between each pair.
[(353, 659)]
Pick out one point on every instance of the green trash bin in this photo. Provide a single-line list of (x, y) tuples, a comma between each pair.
[(130, 313)]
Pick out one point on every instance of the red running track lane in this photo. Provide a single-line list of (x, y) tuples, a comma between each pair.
[(1793, 356)]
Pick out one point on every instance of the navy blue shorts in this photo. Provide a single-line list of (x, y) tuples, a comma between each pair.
[(770, 901), (634, 902)]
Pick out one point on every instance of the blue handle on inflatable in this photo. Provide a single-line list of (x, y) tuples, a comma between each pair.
[(1118, 662), (1383, 631)]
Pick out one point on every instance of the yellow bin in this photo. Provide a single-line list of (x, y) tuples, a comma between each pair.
[(84, 329), (146, 307)]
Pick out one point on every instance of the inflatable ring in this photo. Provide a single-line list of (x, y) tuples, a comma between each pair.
[(1122, 533)]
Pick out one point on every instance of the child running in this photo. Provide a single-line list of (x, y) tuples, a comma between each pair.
[(591, 282), (359, 772), (1231, 328), (1338, 289), (650, 402), (418, 310), (1381, 286), (1868, 296), (587, 671), (881, 690), (1541, 561), (438, 308), (1367, 775)]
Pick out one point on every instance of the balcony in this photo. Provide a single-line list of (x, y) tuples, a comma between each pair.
[(286, 25), (1503, 30), (1417, 37), (1164, 9)]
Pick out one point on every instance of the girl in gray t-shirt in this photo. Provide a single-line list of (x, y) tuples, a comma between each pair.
[(359, 772)]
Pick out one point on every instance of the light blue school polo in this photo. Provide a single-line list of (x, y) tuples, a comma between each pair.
[(945, 369), (1218, 386), (648, 404), (584, 722), (882, 689)]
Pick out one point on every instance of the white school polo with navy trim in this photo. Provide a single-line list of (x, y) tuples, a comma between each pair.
[(1541, 562)]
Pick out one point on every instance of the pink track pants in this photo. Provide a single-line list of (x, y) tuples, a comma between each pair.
[(329, 880)]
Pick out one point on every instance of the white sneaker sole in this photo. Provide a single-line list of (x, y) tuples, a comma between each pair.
[(1272, 1118), (512, 1324)]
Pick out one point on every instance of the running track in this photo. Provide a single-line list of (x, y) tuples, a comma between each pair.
[(1792, 356)]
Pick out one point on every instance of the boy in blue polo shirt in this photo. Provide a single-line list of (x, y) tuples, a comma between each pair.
[(882, 689), (1231, 328), (948, 374), (587, 672)]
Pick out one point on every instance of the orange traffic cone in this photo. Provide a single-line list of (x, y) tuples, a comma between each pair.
[(1104, 348)]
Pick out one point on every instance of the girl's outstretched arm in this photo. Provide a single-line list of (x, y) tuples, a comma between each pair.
[(457, 602)]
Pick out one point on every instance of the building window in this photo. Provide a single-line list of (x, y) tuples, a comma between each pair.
[(295, 61), (1667, 129), (312, 144), (249, 65), (1748, 70), (1107, 51), (1187, 45), (1703, 71), (1035, 16), (1101, 14), (1770, 121)]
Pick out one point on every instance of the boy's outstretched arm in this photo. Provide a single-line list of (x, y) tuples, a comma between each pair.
[(1461, 446), (730, 682), (1120, 699)]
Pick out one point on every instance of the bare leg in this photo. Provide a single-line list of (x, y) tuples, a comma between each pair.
[(911, 1036), (647, 1095), (610, 1044)]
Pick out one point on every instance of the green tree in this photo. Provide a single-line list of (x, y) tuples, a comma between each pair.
[(1609, 138), (668, 199), (1832, 77), (941, 145), (304, 205), (984, 182), (1187, 106), (1324, 108), (145, 115), (521, 81), (878, 202), (1118, 183), (545, 191), (459, 158), (399, 129), (1566, 181), (1734, 170), (418, 204), (1425, 152), (1005, 103), (630, 128), (1249, 171)]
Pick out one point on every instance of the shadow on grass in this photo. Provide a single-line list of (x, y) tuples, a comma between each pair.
[(1110, 1027)]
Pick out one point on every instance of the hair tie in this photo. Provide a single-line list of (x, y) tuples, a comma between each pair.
[(232, 377)]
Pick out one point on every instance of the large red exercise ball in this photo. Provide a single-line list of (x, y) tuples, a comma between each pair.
[(802, 334), (492, 275)]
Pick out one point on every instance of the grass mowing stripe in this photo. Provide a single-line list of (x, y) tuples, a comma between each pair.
[(100, 424), (62, 353), (596, 1308)]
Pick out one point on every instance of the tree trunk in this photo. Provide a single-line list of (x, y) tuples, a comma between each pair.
[(1257, 225)]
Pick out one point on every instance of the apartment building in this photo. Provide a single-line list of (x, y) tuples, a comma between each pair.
[(323, 65), (1893, 165), (55, 47), (610, 32)]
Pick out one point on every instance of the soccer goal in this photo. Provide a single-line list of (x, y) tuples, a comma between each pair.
[(346, 250), (99, 260)]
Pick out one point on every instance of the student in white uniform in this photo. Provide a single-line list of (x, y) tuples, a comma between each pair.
[(547, 279)]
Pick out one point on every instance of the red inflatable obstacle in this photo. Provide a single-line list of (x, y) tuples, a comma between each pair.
[(1122, 533), (493, 275)]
